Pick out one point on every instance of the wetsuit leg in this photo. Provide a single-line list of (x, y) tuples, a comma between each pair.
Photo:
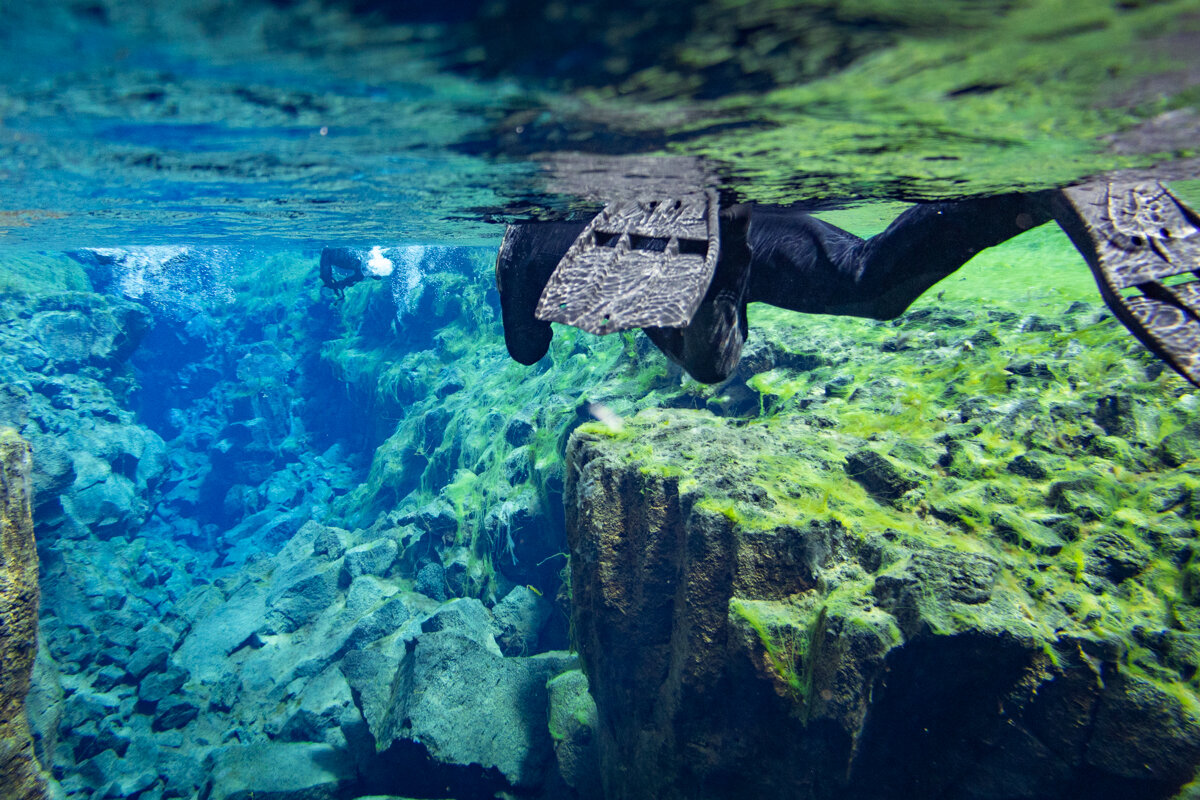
[(804, 264), (528, 256)]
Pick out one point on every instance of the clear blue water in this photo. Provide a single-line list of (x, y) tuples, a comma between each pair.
[(297, 545)]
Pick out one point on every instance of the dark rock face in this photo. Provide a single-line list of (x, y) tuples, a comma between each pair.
[(20, 774), (731, 655), (877, 474)]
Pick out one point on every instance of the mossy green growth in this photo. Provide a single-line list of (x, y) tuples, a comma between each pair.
[(572, 708), (1038, 447), (29, 273), (1018, 100), (786, 637)]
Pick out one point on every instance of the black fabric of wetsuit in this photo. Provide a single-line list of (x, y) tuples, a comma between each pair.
[(801, 263), (784, 257), (527, 257)]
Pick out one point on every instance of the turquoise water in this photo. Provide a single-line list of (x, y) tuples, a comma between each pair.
[(295, 544)]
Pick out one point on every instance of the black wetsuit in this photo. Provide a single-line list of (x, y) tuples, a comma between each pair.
[(784, 257)]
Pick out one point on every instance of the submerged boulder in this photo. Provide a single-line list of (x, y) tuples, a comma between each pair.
[(795, 644), (279, 771)]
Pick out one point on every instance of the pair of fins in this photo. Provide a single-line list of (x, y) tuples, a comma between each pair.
[(648, 264)]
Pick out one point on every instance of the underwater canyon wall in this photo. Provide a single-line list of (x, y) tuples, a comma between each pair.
[(20, 774), (210, 627), (358, 516)]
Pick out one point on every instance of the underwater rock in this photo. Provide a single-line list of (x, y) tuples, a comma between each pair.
[(467, 704), (278, 770), (519, 617), (573, 729), (326, 711), (1028, 465), (877, 474), (794, 646), (174, 712), (518, 465), (1177, 448), (298, 597), (20, 774), (383, 621), (518, 431), (79, 328), (372, 558), (431, 581), (522, 538)]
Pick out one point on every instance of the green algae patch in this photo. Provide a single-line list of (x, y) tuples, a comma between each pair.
[(1016, 103), (1036, 505), (786, 638)]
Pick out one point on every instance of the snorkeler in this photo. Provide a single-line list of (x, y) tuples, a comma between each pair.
[(787, 258), (353, 266)]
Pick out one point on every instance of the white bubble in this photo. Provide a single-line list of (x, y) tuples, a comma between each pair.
[(378, 264)]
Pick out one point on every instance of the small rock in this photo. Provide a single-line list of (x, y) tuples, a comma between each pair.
[(878, 475), (1115, 414), (1115, 556), (519, 617), (431, 581), (174, 713), (517, 466), (1031, 369), (147, 659), (302, 595), (107, 678), (1028, 465), (373, 558), (156, 687), (518, 432), (284, 770), (839, 386), (381, 622), (573, 721), (329, 544)]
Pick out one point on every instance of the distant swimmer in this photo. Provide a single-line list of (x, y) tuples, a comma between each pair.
[(683, 270), (342, 267)]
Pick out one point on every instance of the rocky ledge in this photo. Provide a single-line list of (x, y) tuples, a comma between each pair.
[(782, 608)]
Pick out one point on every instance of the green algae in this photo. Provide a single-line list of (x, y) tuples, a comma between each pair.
[(1020, 97), (787, 639)]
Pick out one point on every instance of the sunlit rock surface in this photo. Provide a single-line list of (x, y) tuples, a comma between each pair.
[(751, 620)]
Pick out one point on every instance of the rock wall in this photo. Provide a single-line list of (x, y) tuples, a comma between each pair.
[(746, 635), (20, 773), (210, 628)]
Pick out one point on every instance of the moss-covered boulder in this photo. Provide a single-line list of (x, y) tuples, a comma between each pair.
[(757, 618)]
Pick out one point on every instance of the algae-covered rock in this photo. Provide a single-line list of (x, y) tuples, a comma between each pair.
[(840, 640), (572, 720), (20, 774), (877, 474)]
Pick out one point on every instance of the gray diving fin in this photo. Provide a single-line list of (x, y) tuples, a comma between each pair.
[(1143, 245), (638, 263)]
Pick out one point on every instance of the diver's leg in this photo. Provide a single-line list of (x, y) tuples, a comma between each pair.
[(804, 264), (930, 241), (528, 256)]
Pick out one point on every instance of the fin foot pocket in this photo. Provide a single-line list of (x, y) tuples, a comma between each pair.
[(1143, 245)]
